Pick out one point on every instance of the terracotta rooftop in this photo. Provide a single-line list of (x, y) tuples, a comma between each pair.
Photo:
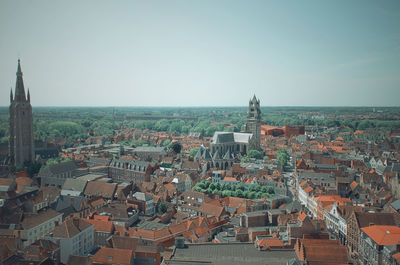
[(211, 209), (396, 256), (100, 225), (70, 227), (302, 216), (383, 235), (266, 243), (322, 251), (113, 256), (100, 188)]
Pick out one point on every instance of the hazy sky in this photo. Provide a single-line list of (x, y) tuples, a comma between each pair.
[(202, 53)]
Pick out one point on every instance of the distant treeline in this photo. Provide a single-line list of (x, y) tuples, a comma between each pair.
[(83, 122)]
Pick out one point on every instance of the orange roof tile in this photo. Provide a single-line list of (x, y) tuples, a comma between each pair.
[(113, 256), (270, 242), (383, 235), (302, 216), (353, 185), (101, 217), (396, 256), (307, 190), (102, 226)]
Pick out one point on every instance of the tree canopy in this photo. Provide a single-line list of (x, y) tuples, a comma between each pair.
[(254, 191), (283, 156), (255, 154)]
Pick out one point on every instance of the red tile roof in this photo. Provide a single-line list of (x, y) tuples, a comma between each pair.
[(321, 251), (302, 216), (267, 243), (383, 235), (309, 189), (396, 256), (211, 209), (113, 256), (101, 226)]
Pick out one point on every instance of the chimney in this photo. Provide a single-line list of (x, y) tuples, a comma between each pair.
[(179, 242), (76, 222)]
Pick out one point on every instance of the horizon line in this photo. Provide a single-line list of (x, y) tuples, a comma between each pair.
[(215, 106)]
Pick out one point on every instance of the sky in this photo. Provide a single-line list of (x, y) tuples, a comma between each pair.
[(202, 53)]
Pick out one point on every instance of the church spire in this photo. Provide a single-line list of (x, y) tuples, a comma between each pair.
[(11, 95), (19, 86), (29, 96)]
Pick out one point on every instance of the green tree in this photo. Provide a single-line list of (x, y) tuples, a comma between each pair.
[(244, 159), (194, 151), (255, 154), (283, 156), (252, 195), (166, 142), (240, 186)]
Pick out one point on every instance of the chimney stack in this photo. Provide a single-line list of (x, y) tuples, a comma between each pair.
[(75, 221)]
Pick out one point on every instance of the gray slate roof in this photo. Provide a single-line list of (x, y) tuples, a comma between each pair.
[(62, 167), (222, 137), (74, 184), (142, 196), (230, 254), (231, 137), (149, 149)]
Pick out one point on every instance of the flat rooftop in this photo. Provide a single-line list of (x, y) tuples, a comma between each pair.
[(229, 254)]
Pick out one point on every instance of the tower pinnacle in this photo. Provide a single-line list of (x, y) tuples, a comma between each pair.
[(19, 86)]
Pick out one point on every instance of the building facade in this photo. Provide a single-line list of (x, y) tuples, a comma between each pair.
[(375, 240), (36, 226), (131, 170), (75, 237), (21, 145), (358, 220)]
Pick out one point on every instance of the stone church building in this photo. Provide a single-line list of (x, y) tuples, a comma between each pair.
[(21, 147), (226, 146)]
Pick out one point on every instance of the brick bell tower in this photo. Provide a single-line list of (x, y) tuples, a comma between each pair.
[(21, 143)]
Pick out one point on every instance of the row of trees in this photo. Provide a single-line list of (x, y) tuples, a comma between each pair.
[(66, 129), (353, 124), (54, 161), (205, 127), (239, 190), (253, 154)]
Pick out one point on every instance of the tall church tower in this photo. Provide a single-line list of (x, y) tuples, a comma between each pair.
[(253, 123), (21, 124)]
